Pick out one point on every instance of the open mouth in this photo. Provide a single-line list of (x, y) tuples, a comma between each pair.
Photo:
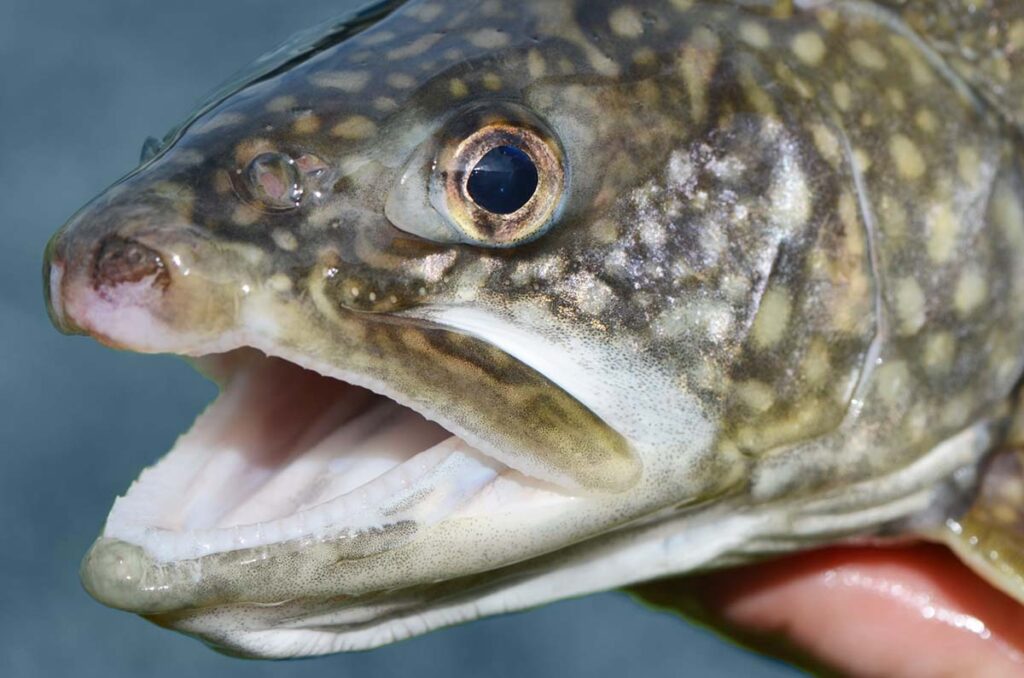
[(285, 453)]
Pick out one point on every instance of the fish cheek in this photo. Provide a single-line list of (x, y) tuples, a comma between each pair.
[(495, 403)]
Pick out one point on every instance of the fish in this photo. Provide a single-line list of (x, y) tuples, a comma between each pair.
[(511, 302)]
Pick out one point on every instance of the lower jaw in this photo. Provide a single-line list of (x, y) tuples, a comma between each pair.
[(285, 454)]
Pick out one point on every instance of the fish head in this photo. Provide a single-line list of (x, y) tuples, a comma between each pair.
[(467, 282)]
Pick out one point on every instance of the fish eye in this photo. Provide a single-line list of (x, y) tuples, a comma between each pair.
[(274, 180), (493, 175), (502, 183)]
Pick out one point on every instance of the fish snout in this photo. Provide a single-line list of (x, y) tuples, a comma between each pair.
[(134, 273), (108, 273), (82, 266)]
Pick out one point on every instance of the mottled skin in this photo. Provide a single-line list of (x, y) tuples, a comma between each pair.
[(804, 221)]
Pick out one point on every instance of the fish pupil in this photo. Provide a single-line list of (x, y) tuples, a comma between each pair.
[(503, 181)]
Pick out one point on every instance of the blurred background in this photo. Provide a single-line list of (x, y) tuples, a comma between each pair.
[(81, 85)]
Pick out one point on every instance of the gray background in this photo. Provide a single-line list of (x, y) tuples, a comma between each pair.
[(82, 83)]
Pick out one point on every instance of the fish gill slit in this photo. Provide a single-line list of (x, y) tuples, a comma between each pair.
[(873, 355)]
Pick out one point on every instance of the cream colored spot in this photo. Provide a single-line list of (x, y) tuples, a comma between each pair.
[(896, 98), (697, 65), (893, 217), (756, 396), (827, 17), (968, 165), (827, 143), (492, 81), (1015, 36), (809, 48), (400, 81), (682, 5), (842, 95), (346, 81), (971, 291), (867, 55), (605, 231), (757, 94), (926, 121), (772, 317), (590, 295), (915, 423), (626, 21), (893, 382), (755, 35), (943, 228), (458, 88), (816, 364), (908, 159), (911, 306), (939, 350), (355, 127), (1008, 213), (222, 182), (862, 160), (385, 104), (849, 214), (245, 216), (371, 38), (307, 123), (219, 122), (279, 282), (285, 239), (956, 411), (920, 70), (709, 320), (250, 148), (790, 195), (489, 38), (1005, 514), (644, 57), (281, 104), (428, 12), (414, 48), (535, 64)]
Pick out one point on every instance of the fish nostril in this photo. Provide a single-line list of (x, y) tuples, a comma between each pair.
[(121, 260)]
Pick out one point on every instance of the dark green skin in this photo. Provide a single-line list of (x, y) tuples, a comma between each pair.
[(809, 221)]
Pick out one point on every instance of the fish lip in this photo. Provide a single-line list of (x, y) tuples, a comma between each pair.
[(123, 576)]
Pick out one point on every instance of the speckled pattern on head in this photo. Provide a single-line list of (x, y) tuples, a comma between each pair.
[(778, 299)]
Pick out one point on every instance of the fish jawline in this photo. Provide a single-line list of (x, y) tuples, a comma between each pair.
[(285, 453)]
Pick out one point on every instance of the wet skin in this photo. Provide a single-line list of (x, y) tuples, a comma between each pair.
[(764, 295)]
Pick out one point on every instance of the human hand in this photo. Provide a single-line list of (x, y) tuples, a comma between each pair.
[(904, 611)]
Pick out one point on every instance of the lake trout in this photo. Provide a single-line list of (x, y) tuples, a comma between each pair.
[(515, 301)]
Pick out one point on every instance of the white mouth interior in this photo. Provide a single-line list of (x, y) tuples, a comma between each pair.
[(285, 453)]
